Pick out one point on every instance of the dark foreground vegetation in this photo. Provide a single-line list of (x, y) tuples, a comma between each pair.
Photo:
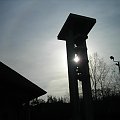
[(103, 109), (51, 111), (107, 108)]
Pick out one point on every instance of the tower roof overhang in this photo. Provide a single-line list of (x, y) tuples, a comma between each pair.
[(76, 24)]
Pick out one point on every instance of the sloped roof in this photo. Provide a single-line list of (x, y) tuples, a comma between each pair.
[(15, 86)]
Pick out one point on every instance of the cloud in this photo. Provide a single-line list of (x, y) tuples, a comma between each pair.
[(58, 86)]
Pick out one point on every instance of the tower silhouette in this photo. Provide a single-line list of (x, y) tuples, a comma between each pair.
[(74, 32)]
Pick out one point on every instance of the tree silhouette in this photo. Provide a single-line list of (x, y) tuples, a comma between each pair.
[(104, 78)]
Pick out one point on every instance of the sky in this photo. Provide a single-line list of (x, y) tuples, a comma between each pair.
[(28, 37)]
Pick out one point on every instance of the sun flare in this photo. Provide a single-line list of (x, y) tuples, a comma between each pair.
[(76, 59)]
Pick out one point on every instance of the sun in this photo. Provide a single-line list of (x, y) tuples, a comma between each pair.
[(76, 59)]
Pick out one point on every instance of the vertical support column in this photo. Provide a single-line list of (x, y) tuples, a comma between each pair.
[(86, 85), (73, 83)]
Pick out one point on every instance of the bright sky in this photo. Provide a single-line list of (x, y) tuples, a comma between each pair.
[(28, 37)]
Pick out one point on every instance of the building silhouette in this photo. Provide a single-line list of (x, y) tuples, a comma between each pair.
[(15, 93)]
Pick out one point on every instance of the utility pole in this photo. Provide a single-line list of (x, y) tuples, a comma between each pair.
[(74, 32), (117, 63)]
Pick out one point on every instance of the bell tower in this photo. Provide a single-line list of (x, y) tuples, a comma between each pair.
[(75, 32)]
